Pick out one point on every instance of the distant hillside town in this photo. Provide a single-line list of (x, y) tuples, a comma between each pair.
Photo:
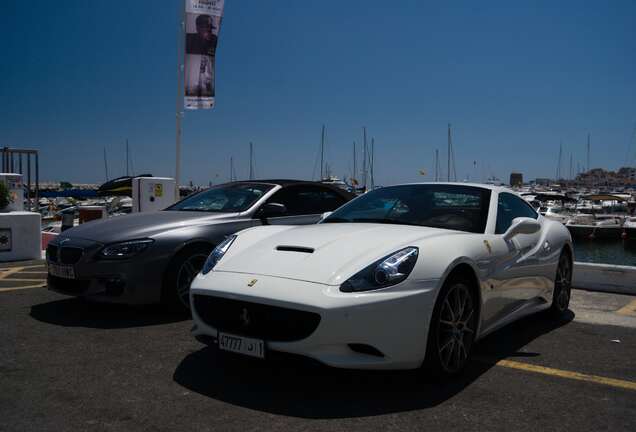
[(596, 177)]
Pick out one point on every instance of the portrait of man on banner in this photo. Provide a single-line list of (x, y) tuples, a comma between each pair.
[(200, 48)]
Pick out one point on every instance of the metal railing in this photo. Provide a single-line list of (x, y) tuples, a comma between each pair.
[(12, 162)]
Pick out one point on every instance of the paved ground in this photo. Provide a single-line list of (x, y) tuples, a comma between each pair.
[(68, 365)]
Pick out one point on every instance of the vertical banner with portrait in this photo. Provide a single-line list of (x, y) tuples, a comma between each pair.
[(202, 24)]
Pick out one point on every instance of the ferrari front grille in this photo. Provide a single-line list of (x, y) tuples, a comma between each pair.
[(256, 320)]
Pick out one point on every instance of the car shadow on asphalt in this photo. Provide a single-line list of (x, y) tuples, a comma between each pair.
[(300, 388), (76, 312)]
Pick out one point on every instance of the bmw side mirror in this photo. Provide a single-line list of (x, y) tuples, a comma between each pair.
[(272, 210), (522, 225)]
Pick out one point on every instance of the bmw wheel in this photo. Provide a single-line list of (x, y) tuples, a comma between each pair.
[(181, 272), (452, 329)]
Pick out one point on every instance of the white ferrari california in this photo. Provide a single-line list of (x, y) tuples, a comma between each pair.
[(401, 277)]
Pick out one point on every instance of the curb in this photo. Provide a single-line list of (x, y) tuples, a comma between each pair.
[(10, 264), (605, 278)]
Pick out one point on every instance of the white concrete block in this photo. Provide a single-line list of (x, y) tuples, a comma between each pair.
[(20, 236), (604, 277)]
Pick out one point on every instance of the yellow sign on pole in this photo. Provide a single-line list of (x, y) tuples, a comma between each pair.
[(158, 190)]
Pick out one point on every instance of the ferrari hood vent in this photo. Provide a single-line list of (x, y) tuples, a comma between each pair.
[(301, 249)]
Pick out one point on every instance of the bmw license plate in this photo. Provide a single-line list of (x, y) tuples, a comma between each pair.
[(242, 345), (61, 271)]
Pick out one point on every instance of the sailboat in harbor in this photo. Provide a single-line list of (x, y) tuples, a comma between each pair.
[(326, 176)]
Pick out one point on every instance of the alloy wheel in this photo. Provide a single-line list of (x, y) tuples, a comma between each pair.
[(456, 328), (563, 284), (187, 272)]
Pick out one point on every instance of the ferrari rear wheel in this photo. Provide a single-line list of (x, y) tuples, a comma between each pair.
[(452, 330), (562, 286)]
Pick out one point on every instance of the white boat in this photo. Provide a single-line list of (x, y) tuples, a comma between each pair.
[(629, 228), (557, 213), (591, 226)]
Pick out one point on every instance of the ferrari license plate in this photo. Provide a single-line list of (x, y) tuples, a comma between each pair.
[(61, 271), (242, 345)]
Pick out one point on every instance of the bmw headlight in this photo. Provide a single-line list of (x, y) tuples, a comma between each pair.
[(127, 249), (216, 255), (383, 273)]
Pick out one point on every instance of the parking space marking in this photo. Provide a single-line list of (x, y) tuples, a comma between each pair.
[(9, 271), (42, 284), (24, 279), (612, 382), (629, 309)]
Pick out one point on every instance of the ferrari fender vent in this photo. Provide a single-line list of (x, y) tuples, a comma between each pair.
[(366, 349), (256, 320), (295, 249)]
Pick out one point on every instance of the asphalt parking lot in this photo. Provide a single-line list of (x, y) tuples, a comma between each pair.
[(69, 365)]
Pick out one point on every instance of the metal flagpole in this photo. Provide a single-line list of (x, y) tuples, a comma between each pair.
[(180, 95), (448, 174)]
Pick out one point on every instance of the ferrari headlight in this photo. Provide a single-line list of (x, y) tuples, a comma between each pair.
[(383, 273), (127, 249), (216, 255)]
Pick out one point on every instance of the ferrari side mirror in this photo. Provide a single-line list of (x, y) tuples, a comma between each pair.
[(522, 225)]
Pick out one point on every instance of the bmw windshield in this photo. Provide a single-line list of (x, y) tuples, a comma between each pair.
[(227, 198), (454, 207)]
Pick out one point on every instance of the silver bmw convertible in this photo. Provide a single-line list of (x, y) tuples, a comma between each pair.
[(152, 257)]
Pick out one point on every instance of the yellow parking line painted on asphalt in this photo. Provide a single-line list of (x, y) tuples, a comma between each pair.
[(40, 285), (9, 271), (612, 382), (24, 279), (628, 309)]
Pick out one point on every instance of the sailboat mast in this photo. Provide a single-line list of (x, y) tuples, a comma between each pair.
[(364, 157), (105, 163), (251, 161), (231, 168), (558, 170), (322, 152), (355, 166), (436, 165), (372, 158), (588, 151), (127, 172)]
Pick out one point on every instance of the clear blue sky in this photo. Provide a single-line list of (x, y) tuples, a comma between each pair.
[(514, 78)]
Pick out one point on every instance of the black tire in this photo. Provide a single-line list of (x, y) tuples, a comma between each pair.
[(179, 275), (562, 287), (452, 330)]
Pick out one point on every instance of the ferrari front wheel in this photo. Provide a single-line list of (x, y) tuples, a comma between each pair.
[(452, 329)]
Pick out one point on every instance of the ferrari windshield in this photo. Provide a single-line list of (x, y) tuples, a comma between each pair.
[(227, 198), (455, 207)]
